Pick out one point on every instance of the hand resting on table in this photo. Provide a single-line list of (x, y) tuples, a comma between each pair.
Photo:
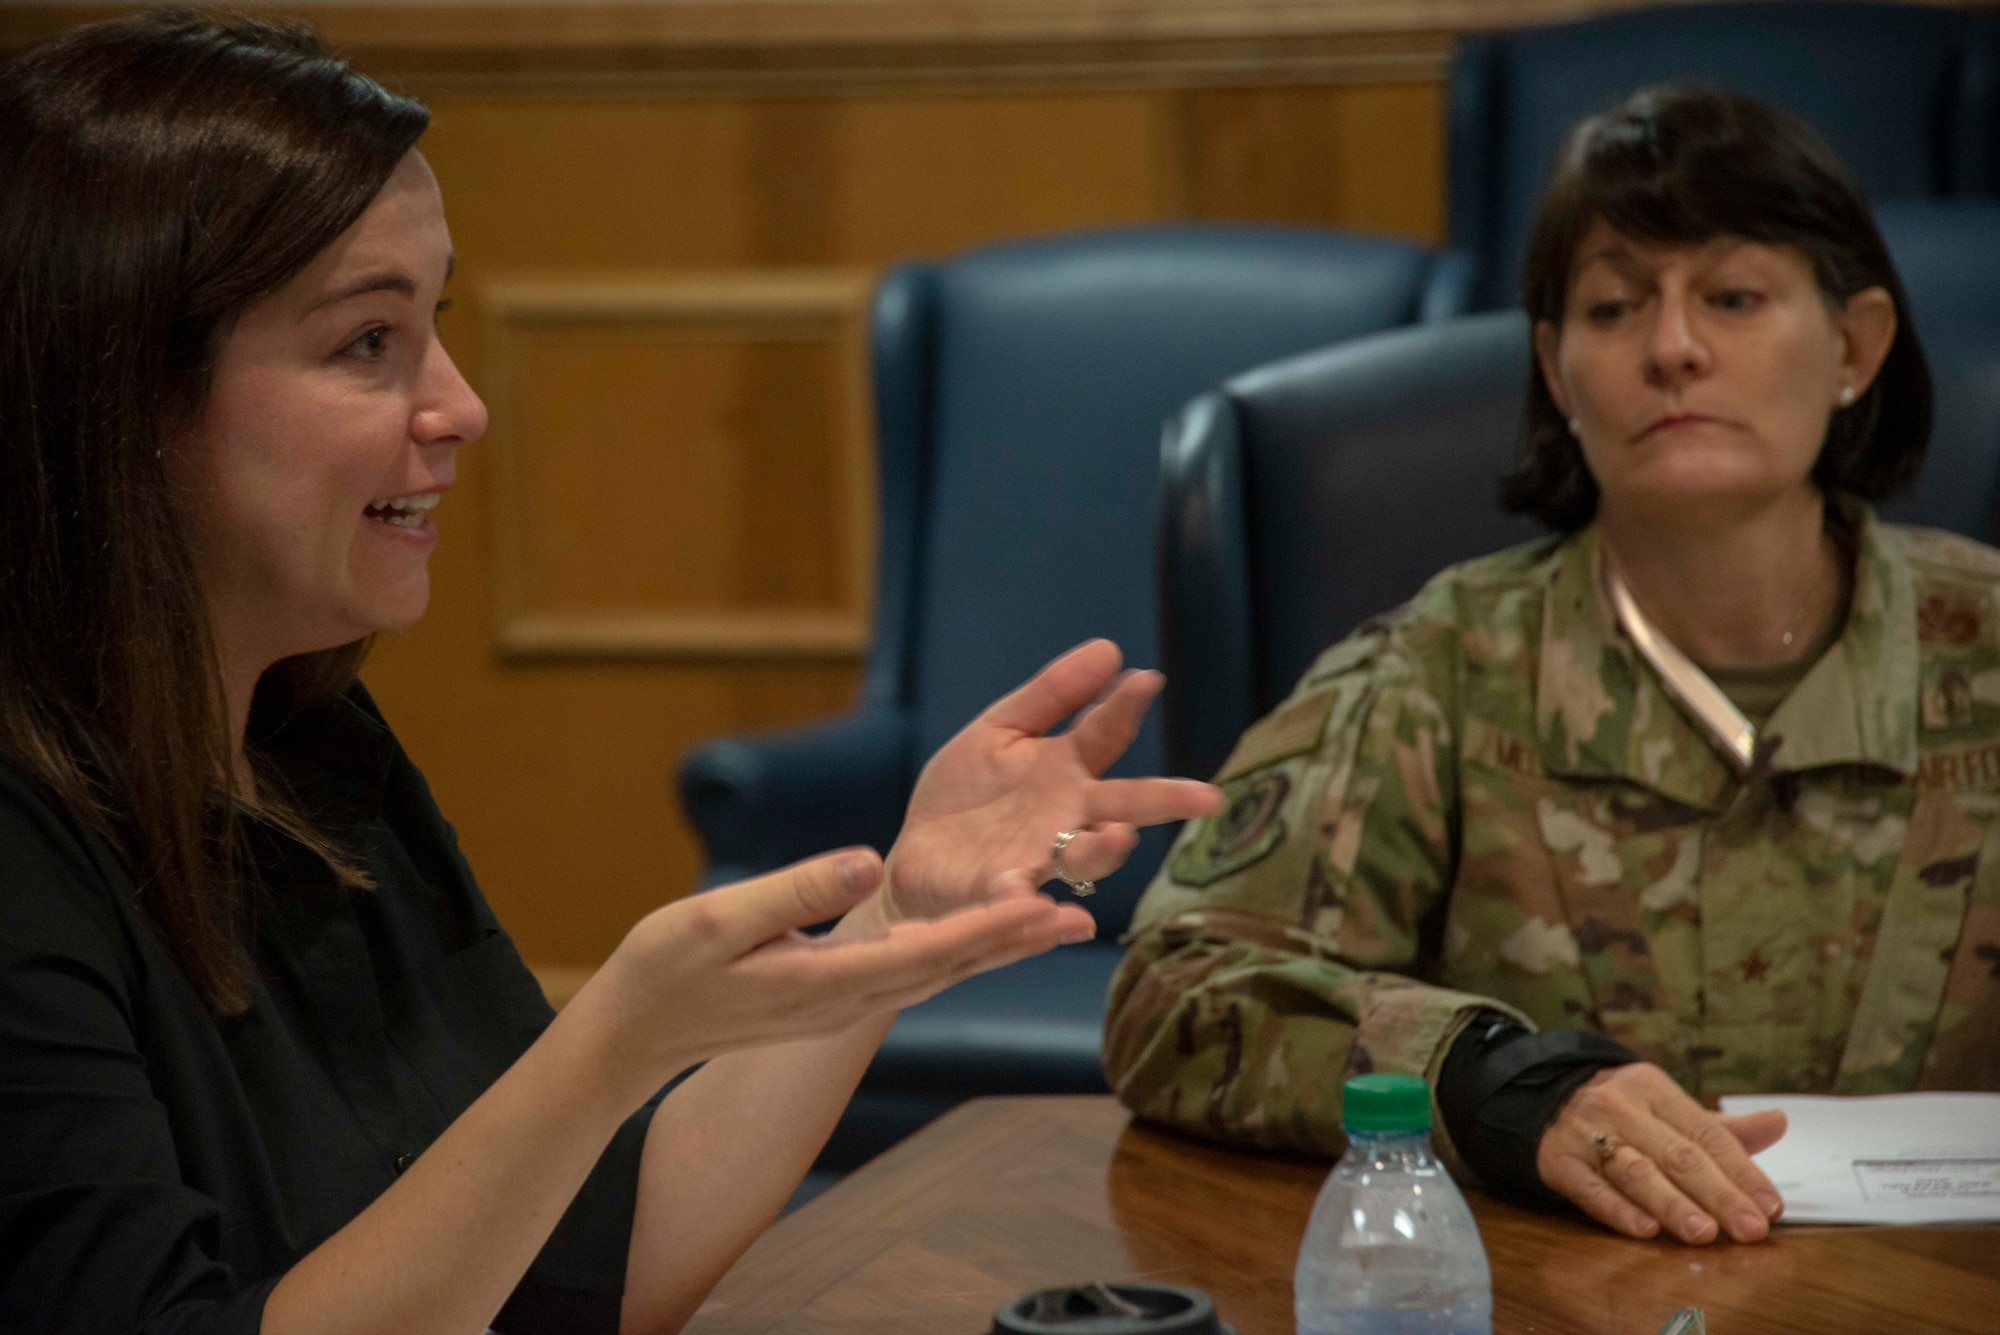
[(1674, 1165)]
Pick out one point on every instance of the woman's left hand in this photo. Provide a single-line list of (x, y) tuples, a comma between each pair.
[(1639, 1155), (993, 798)]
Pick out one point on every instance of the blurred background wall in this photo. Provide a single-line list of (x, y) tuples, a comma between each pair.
[(668, 219)]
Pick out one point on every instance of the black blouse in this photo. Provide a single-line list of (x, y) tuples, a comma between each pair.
[(160, 1169)]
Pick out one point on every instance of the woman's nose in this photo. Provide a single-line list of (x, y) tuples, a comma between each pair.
[(1676, 352), (450, 411)]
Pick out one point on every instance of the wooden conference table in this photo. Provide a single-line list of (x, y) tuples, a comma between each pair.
[(1007, 1195)]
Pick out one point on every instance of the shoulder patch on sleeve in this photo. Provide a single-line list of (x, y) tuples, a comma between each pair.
[(1290, 731), (1242, 836)]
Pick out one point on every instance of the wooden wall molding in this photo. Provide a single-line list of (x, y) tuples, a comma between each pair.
[(649, 635), (822, 304), (874, 45)]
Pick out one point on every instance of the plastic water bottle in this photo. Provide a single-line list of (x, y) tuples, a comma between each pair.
[(1391, 1249)]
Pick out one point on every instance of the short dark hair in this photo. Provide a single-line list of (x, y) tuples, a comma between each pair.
[(157, 175), (1681, 166)]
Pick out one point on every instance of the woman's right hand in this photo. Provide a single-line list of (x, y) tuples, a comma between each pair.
[(1673, 1164), (730, 969)]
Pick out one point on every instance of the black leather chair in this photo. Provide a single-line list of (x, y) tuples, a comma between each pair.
[(1303, 497), (1909, 95), (1948, 253), (1019, 393)]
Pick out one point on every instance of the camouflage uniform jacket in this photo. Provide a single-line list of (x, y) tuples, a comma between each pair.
[(1487, 800)]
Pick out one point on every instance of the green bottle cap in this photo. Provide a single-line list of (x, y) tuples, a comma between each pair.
[(1385, 1104)]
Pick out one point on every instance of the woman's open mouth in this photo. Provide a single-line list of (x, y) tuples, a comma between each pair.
[(404, 511)]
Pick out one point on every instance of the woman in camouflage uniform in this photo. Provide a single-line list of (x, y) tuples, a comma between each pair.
[(1697, 796)]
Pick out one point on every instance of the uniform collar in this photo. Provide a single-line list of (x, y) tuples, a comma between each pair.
[(1602, 711), (1858, 704)]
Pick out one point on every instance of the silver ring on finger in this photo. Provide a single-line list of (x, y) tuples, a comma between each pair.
[(1605, 1145), (1056, 847)]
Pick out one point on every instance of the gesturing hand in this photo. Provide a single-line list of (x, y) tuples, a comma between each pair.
[(991, 800), (1668, 1161), (729, 969)]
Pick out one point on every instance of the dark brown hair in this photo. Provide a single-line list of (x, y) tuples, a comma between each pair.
[(157, 174), (1679, 167)]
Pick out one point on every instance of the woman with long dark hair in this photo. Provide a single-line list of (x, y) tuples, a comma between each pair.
[(267, 1061)]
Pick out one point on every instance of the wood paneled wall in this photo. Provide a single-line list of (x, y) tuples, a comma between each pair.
[(666, 535)]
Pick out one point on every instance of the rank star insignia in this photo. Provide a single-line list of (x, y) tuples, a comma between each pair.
[(1754, 967)]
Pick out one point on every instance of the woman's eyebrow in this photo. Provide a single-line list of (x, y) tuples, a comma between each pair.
[(387, 282), (1617, 255)]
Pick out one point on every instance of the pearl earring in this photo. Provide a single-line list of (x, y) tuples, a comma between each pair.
[(1846, 395), (1575, 427)]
